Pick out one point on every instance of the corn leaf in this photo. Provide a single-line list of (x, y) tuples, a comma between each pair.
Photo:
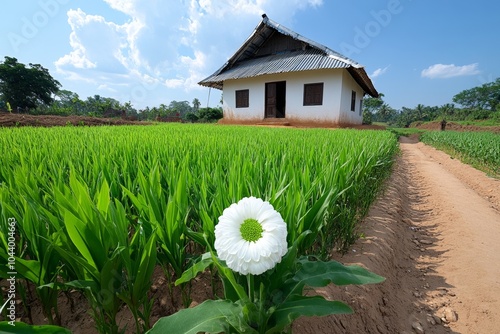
[(20, 327), (301, 306), (211, 316), (320, 273)]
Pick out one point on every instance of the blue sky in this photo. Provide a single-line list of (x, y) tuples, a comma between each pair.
[(152, 51)]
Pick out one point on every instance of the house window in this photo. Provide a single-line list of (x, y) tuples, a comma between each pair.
[(353, 101), (242, 98), (361, 107), (313, 94)]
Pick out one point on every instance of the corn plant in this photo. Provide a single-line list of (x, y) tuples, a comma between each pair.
[(36, 261), (99, 208), (481, 149), (162, 203), (110, 268)]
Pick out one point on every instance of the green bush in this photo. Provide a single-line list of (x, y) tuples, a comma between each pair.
[(478, 114), (496, 115), (191, 117), (367, 117), (209, 114)]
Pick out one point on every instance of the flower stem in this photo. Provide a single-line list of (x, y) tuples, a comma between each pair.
[(250, 288), (262, 317)]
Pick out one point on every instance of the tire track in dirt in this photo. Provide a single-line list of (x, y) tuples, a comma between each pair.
[(434, 235), (467, 226)]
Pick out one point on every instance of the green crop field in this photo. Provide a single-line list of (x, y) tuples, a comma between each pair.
[(98, 208), (480, 149)]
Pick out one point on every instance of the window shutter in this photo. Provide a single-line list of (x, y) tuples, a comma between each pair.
[(353, 101), (313, 94), (242, 98)]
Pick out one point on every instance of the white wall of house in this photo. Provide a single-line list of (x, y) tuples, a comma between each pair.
[(347, 116), (338, 85), (255, 110)]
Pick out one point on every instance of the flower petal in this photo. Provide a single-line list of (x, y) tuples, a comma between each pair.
[(251, 257)]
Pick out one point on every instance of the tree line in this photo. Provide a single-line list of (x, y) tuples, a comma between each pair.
[(478, 103), (31, 89)]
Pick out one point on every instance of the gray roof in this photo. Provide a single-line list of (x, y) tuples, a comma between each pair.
[(293, 61), (247, 63)]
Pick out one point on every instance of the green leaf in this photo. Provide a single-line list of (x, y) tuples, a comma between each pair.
[(28, 269), (52, 285), (300, 306), (21, 327), (285, 268), (82, 284), (110, 281), (137, 201), (77, 232), (313, 219), (212, 316), (196, 236), (146, 268), (195, 269), (103, 198), (319, 273), (232, 289), (77, 262), (208, 226)]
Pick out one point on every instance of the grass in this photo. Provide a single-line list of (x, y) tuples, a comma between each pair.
[(485, 123), (406, 132)]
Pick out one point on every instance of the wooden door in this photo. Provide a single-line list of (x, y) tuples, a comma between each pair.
[(270, 100)]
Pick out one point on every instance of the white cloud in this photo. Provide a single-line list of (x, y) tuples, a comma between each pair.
[(442, 71), (379, 71), (165, 47), (96, 43), (316, 3), (106, 88), (124, 6), (175, 83)]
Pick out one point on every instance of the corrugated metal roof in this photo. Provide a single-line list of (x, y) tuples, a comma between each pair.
[(286, 31), (244, 63), (294, 61)]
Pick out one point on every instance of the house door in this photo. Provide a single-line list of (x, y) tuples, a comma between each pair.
[(275, 99)]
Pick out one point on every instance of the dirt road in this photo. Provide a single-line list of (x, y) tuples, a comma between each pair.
[(435, 236)]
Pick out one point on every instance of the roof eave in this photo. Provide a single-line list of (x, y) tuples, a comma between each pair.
[(360, 76), (211, 84)]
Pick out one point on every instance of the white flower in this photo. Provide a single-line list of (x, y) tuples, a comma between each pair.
[(251, 236)]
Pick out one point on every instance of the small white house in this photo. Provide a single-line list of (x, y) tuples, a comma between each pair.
[(279, 75)]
